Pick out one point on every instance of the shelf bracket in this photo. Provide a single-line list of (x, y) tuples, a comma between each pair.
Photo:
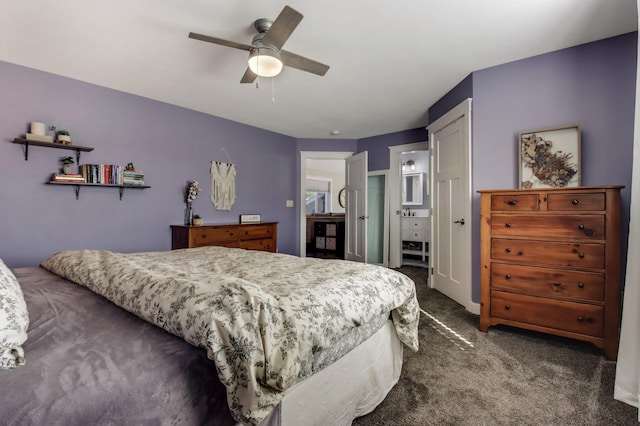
[(77, 189), (26, 152), (121, 192), (78, 157)]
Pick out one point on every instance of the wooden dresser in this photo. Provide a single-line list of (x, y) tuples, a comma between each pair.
[(550, 262), (251, 236)]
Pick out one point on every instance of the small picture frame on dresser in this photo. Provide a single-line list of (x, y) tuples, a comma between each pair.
[(250, 218), (550, 158)]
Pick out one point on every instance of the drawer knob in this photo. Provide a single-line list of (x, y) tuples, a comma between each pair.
[(581, 255), (580, 318), (508, 250), (512, 202), (581, 227), (575, 202), (507, 307), (508, 276), (581, 285), (508, 224)]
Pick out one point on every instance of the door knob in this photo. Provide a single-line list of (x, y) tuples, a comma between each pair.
[(363, 217), (461, 221)]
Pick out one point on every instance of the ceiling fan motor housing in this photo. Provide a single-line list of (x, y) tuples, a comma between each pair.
[(262, 25)]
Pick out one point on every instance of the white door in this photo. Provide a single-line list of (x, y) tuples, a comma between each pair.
[(451, 201), (356, 208)]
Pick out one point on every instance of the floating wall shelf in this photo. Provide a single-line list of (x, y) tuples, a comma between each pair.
[(78, 185), (76, 148)]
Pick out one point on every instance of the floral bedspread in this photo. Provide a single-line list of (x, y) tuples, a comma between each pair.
[(260, 316)]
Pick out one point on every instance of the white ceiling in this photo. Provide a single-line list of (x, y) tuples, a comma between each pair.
[(390, 59)]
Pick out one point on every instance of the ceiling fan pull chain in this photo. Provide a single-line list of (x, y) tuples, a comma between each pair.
[(273, 90), (257, 72)]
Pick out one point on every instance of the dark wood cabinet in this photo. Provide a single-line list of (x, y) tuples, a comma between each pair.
[(550, 262)]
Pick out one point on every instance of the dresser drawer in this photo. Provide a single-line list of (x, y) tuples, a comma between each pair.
[(549, 226), (414, 235), (416, 224), (213, 236), (548, 282), (263, 245), (255, 232), (563, 315), (548, 253), (520, 202), (576, 202)]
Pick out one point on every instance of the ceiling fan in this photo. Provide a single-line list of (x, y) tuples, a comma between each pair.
[(266, 57)]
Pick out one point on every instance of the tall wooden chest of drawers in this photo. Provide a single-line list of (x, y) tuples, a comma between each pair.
[(550, 262), (251, 236)]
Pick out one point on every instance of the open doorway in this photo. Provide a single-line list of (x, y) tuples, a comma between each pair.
[(414, 221), (322, 177), (397, 155), (323, 197)]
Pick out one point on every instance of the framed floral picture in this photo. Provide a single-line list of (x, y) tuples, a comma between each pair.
[(550, 158)]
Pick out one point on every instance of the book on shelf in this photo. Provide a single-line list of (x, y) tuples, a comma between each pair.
[(111, 174), (38, 138), (133, 177)]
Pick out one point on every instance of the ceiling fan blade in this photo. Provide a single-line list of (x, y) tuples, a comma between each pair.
[(282, 27), (305, 64), (220, 41), (248, 77)]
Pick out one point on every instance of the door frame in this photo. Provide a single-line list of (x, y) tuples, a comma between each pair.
[(395, 202), (304, 156)]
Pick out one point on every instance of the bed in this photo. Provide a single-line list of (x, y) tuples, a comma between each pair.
[(90, 361)]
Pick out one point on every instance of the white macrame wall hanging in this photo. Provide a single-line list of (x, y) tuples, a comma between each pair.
[(223, 185)]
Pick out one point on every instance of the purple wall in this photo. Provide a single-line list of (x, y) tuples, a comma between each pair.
[(454, 97), (592, 85), (378, 146), (171, 144)]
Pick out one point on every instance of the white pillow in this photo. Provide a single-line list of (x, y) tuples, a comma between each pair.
[(14, 320)]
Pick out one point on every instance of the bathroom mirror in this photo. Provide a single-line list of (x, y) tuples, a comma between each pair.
[(412, 189)]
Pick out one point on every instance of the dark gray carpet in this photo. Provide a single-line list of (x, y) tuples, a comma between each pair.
[(507, 376)]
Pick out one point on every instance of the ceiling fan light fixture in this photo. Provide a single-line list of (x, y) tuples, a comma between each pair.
[(265, 62)]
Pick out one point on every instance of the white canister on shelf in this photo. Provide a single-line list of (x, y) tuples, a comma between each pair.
[(37, 128)]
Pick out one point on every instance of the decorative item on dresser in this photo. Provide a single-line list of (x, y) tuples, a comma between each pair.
[(251, 236), (550, 158), (190, 193), (550, 262)]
